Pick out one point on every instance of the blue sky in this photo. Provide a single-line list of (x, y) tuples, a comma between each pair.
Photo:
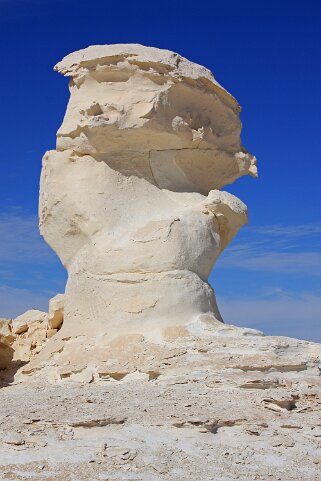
[(267, 54)]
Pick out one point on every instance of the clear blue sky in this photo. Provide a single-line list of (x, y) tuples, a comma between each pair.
[(267, 54)]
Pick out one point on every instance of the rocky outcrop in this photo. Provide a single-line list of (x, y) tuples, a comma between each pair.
[(6, 335), (130, 198), (6, 340), (22, 338), (30, 334), (224, 404), (23, 322)]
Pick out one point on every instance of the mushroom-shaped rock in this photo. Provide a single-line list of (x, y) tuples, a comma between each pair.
[(130, 200)]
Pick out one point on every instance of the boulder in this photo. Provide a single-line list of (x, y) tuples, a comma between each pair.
[(56, 311), (6, 335), (6, 340), (22, 323)]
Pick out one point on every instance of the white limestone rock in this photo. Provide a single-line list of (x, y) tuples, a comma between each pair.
[(130, 199), (201, 406), (6, 335), (6, 340), (144, 112), (23, 322), (56, 311), (51, 332), (13, 438), (29, 330)]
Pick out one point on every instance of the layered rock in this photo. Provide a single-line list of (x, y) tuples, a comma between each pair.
[(22, 323), (229, 404), (130, 199), (23, 337)]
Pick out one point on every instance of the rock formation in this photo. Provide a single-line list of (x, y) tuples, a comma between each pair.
[(22, 338), (6, 340), (229, 405), (130, 199)]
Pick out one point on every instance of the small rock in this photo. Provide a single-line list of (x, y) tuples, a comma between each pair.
[(13, 438), (254, 430), (160, 468), (316, 432)]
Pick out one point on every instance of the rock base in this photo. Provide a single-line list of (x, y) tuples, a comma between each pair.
[(226, 403)]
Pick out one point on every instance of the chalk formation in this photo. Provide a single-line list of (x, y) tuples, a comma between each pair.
[(130, 200), (132, 374)]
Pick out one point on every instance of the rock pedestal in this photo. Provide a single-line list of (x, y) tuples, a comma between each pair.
[(131, 202), (130, 198)]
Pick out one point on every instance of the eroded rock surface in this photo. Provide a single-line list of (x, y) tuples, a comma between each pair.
[(56, 311), (229, 405), (23, 322), (22, 338), (130, 198), (6, 340)]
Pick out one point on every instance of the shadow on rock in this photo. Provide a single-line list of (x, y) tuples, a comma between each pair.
[(7, 375)]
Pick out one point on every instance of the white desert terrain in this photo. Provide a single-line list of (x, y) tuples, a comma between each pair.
[(132, 373)]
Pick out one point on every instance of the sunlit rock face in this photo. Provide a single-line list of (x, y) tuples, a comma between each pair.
[(130, 200)]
